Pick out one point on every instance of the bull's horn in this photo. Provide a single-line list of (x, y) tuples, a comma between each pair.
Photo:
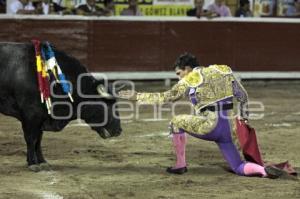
[(120, 88), (102, 92)]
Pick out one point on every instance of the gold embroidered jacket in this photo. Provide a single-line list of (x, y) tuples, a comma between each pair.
[(211, 85)]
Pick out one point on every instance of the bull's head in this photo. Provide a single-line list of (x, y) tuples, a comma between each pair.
[(101, 113)]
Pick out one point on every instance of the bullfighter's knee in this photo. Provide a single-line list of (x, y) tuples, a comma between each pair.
[(175, 126)]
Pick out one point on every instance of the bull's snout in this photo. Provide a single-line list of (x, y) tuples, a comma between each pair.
[(118, 132)]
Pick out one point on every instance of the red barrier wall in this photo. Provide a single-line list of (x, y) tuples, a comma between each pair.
[(148, 45)]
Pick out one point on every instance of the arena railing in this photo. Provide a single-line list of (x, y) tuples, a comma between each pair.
[(151, 18), (167, 76)]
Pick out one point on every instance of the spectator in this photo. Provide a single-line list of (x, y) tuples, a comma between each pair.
[(2, 6), (109, 8), (198, 10), (61, 7), (244, 9), (90, 8), (293, 10), (44, 7), (219, 8), (132, 9), (21, 7)]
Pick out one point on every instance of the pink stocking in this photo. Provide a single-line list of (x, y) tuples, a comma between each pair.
[(254, 169), (179, 142)]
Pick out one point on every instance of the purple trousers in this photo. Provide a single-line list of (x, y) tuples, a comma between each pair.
[(221, 135)]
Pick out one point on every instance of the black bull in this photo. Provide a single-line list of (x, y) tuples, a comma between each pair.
[(20, 98)]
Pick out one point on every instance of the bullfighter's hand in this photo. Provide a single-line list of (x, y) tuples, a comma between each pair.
[(128, 94), (243, 119)]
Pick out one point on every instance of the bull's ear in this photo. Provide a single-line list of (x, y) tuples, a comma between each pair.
[(103, 93)]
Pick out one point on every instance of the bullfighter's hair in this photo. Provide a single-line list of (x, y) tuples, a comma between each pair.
[(186, 59)]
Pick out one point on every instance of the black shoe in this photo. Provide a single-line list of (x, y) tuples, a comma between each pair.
[(274, 172), (178, 171)]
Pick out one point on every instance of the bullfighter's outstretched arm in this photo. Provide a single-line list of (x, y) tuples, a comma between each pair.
[(175, 93)]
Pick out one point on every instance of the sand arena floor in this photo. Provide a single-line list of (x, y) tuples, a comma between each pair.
[(84, 166)]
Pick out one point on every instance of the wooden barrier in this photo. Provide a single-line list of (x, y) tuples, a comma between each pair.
[(152, 44)]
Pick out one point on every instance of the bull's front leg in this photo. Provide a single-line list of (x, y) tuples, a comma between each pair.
[(39, 154), (31, 134)]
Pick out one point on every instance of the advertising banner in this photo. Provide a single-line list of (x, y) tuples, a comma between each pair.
[(158, 7)]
